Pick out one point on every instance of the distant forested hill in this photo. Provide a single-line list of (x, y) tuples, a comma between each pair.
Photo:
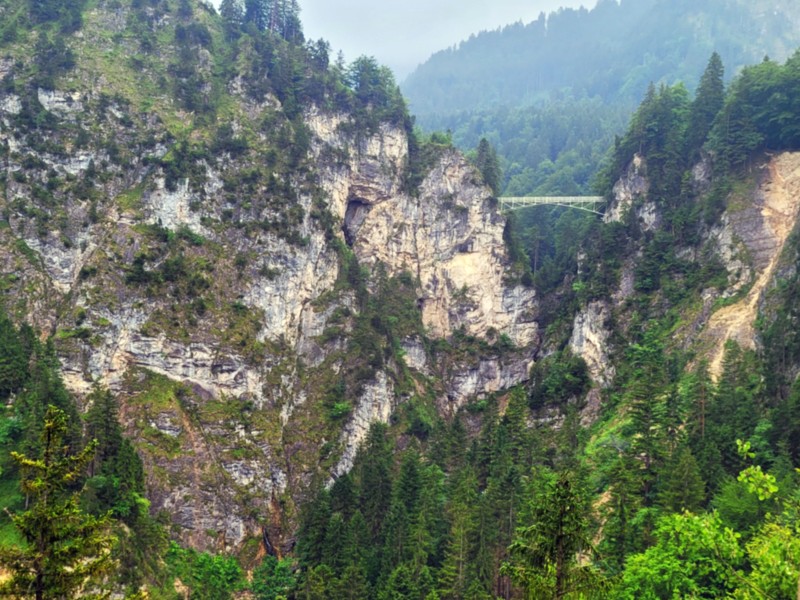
[(612, 51), (524, 86)]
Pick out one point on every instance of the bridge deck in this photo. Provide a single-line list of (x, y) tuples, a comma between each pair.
[(587, 203)]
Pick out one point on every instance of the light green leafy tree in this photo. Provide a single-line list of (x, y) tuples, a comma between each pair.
[(695, 556)]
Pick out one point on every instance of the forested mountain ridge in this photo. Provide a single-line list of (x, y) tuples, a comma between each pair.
[(612, 51), (552, 94)]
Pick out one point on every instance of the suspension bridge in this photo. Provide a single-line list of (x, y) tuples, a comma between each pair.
[(591, 204)]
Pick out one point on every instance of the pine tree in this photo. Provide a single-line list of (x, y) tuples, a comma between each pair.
[(488, 165), (102, 424), (257, 13), (232, 12), (13, 359), (400, 585), (374, 465), (733, 412), (430, 527), (352, 585), (313, 527), (648, 394), (272, 579), (116, 473), (67, 551), (543, 555), (336, 546), (45, 387), (707, 103), (344, 498), (455, 571), (619, 531), (681, 486)]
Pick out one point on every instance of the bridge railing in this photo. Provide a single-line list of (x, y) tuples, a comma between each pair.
[(588, 203)]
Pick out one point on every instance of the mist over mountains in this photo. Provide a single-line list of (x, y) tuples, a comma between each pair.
[(612, 51)]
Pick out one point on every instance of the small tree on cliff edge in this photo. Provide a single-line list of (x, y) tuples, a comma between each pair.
[(488, 165), (66, 551)]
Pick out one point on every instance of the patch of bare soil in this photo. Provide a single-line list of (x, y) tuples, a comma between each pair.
[(779, 204)]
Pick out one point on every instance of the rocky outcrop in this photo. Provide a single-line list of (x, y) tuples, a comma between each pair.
[(63, 103), (632, 186), (477, 380), (239, 315), (450, 236), (750, 241), (376, 403), (590, 341)]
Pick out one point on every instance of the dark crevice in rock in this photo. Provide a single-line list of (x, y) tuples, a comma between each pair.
[(354, 217)]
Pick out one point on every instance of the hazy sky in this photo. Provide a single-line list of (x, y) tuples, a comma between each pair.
[(404, 33)]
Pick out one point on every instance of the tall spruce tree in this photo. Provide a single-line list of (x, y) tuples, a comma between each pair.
[(67, 552), (488, 165), (13, 359), (232, 12), (116, 473), (544, 553), (708, 101)]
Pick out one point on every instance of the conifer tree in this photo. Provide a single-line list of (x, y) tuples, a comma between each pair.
[(374, 465), (352, 585), (544, 553), (313, 527), (455, 571), (681, 486), (648, 396), (488, 165), (257, 13), (336, 545), (67, 552), (13, 359), (272, 579), (363, 555), (397, 547), (232, 12), (707, 103), (116, 471), (429, 528), (343, 495), (45, 388), (619, 531)]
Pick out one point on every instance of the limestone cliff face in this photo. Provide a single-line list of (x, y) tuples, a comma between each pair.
[(450, 236), (589, 340), (209, 310), (633, 185)]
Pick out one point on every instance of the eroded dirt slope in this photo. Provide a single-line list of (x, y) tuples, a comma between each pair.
[(763, 232)]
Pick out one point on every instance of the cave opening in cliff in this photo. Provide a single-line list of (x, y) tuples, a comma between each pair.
[(354, 217)]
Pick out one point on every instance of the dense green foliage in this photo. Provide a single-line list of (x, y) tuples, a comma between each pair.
[(65, 551), (551, 149), (682, 512), (72, 484)]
